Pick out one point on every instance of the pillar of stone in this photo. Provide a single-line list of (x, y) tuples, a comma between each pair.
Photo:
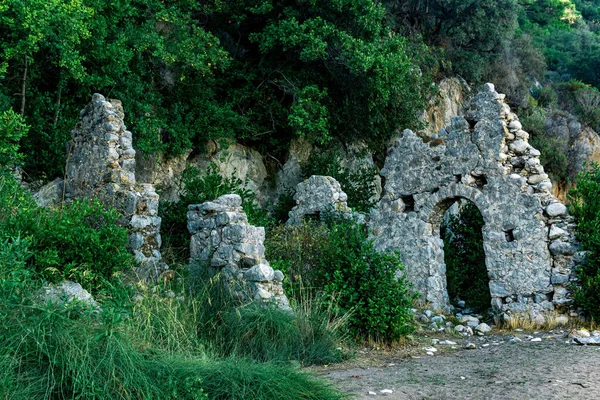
[(101, 165), (224, 242)]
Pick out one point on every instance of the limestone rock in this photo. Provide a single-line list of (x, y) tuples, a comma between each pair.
[(318, 195), (556, 209), (452, 97), (67, 292), (50, 195), (483, 328)]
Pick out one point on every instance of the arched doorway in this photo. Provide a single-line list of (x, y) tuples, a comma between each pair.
[(467, 277)]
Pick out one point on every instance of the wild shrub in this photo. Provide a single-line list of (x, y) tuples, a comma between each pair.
[(196, 187), (554, 150), (588, 106), (341, 264), (585, 206), (81, 241), (547, 96), (466, 273), (12, 129)]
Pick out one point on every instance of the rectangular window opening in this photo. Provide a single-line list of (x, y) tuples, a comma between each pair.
[(409, 203), (510, 235)]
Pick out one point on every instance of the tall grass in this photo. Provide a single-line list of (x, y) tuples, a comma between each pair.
[(264, 332), (151, 349)]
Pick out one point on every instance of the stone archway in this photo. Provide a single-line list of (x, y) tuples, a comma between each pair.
[(484, 157), (467, 277)]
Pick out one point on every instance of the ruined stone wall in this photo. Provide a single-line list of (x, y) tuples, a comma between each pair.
[(224, 242), (484, 157), (101, 164)]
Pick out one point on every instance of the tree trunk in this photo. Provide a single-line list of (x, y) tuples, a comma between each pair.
[(23, 86), (58, 104)]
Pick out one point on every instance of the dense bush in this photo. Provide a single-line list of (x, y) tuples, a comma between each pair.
[(12, 129), (585, 206), (81, 241), (466, 273), (340, 262), (554, 150)]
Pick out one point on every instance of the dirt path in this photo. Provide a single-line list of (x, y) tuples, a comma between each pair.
[(550, 369)]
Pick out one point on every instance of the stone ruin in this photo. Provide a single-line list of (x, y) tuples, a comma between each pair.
[(484, 157), (101, 165), (318, 195), (224, 242)]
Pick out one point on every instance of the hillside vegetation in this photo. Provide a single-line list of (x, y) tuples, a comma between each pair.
[(264, 72)]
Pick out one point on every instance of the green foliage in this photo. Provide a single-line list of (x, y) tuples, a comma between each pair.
[(12, 130), (191, 71), (466, 273), (72, 352), (81, 241), (345, 74), (554, 157), (153, 55), (196, 187), (554, 150), (585, 206), (148, 350), (340, 262), (359, 184), (472, 32), (547, 97)]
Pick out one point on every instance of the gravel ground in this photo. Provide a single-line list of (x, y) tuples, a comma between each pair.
[(496, 369)]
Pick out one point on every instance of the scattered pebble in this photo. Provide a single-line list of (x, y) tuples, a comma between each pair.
[(372, 394), (386, 391), (485, 345), (537, 339), (431, 349), (447, 342), (470, 346), (515, 340)]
